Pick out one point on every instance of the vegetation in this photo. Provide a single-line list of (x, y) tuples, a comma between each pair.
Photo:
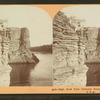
[(43, 49), (75, 21)]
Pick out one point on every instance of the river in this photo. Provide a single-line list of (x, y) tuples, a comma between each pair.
[(41, 74), (30, 75)]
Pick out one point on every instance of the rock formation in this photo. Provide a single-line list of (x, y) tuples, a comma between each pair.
[(92, 50), (19, 46), (4, 67), (68, 54), (14, 48)]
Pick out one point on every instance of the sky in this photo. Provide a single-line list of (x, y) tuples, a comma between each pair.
[(34, 18), (90, 13)]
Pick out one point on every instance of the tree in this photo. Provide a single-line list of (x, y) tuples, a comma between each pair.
[(75, 21), (3, 23)]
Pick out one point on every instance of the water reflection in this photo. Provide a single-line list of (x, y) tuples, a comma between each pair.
[(41, 75), (33, 75), (20, 74), (93, 74)]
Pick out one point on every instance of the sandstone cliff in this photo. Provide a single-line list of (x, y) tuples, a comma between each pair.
[(92, 50), (19, 46), (14, 48), (68, 54)]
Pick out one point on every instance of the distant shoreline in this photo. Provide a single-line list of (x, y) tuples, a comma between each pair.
[(42, 49)]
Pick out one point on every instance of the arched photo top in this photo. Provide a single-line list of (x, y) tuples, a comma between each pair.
[(37, 20), (76, 46), (88, 13)]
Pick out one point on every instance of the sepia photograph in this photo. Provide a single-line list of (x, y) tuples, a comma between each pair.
[(76, 46), (25, 46)]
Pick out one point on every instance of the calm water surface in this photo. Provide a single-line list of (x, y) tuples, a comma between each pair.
[(30, 75), (41, 74)]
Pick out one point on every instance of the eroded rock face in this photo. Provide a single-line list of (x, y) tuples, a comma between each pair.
[(92, 50), (19, 47), (14, 48), (4, 67), (68, 54)]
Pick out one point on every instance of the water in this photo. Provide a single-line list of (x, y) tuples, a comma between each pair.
[(41, 74), (93, 74), (33, 75)]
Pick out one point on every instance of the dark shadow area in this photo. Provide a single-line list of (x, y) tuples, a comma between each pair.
[(50, 97), (49, 2), (20, 74), (93, 74)]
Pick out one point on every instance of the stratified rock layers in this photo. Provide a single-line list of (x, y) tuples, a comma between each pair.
[(4, 67), (92, 50), (14, 48), (19, 47), (68, 54)]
